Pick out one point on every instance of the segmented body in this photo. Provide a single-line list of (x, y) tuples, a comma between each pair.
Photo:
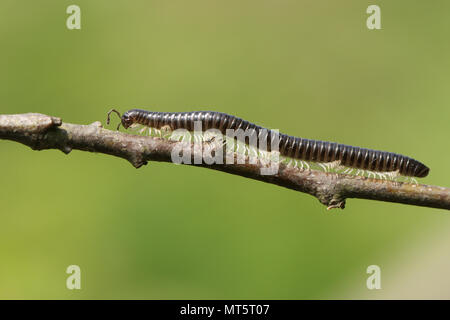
[(289, 146)]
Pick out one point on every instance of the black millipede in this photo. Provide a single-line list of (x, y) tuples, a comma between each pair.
[(289, 146)]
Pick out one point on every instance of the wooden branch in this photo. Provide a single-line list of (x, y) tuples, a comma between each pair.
[(41, 132)]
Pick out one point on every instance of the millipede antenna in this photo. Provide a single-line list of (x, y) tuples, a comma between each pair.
[(109, 114)]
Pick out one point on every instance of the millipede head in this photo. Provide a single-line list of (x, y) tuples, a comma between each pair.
[(127, 119)]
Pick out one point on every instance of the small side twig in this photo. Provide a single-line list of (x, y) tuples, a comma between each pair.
[(41, 132)]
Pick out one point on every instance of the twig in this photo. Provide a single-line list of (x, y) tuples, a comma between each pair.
[(41, 132)]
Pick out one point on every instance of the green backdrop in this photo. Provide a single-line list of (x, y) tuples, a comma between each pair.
[(309, 68)]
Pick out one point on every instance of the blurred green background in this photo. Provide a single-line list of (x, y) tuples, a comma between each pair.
[(308, 68)]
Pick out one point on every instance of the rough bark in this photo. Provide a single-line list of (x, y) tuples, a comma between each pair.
[(41, 132)]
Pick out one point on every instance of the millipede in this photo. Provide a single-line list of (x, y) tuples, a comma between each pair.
[(289, 146)]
